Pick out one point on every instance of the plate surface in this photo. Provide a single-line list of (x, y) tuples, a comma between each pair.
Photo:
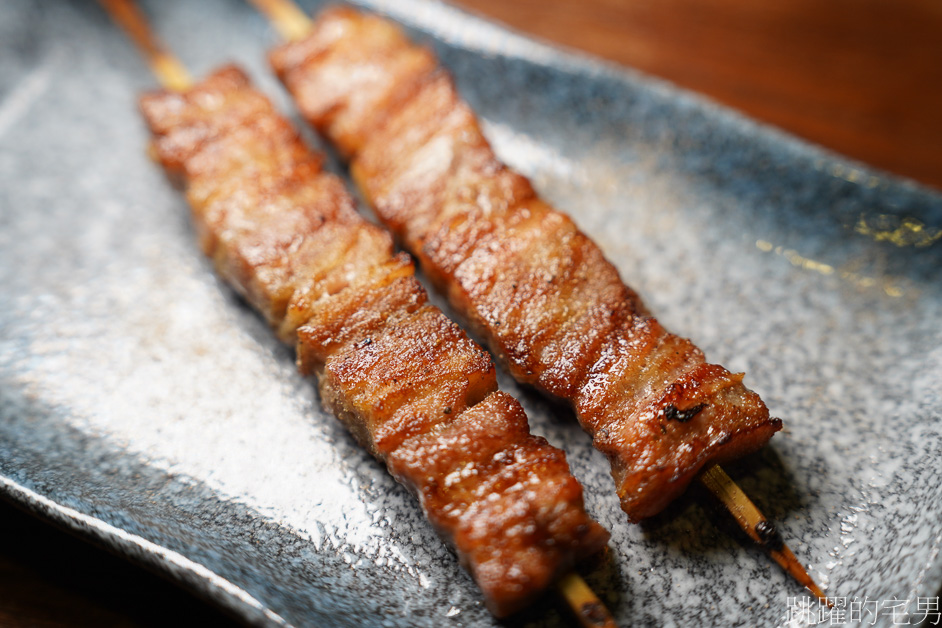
[(142, 404)]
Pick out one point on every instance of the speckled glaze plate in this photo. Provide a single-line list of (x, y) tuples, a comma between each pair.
[(144, 406)]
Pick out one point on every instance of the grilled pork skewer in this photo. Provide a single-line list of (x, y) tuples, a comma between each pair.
[(408, 383), (542, 294)]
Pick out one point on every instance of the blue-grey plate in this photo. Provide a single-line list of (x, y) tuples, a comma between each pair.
[(143, 405)]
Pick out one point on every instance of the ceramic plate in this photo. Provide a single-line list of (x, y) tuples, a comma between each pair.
[(143, 405)]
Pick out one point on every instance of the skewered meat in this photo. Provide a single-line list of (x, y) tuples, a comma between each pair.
[(409, 383), (550, 305)]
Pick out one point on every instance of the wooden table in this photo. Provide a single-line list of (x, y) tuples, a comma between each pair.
[(863, 77)]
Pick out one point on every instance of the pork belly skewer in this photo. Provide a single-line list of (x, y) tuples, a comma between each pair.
[(408, 383), (551, 307)]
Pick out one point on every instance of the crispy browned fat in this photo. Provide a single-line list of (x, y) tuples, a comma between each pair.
[(524, 276), (409, 383)]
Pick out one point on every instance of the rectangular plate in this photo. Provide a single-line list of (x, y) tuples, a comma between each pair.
[(144, 405)]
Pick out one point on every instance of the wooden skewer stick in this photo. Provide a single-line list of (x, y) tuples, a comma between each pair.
[(287, 17), (172, 74), (582, 600), (166, 67), (292, 24), (759, 529)]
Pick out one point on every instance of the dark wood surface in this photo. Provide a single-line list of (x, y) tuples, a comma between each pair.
[(863, 77), (50, 579)]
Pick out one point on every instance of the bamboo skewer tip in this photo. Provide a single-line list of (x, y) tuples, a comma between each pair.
[(287, 18), (170, 72), (758, 527), (582, 601)]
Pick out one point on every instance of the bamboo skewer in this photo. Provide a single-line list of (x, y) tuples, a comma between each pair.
[(287, 17), (582, 600), (172, 74), (755, 524), (292, 24)]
